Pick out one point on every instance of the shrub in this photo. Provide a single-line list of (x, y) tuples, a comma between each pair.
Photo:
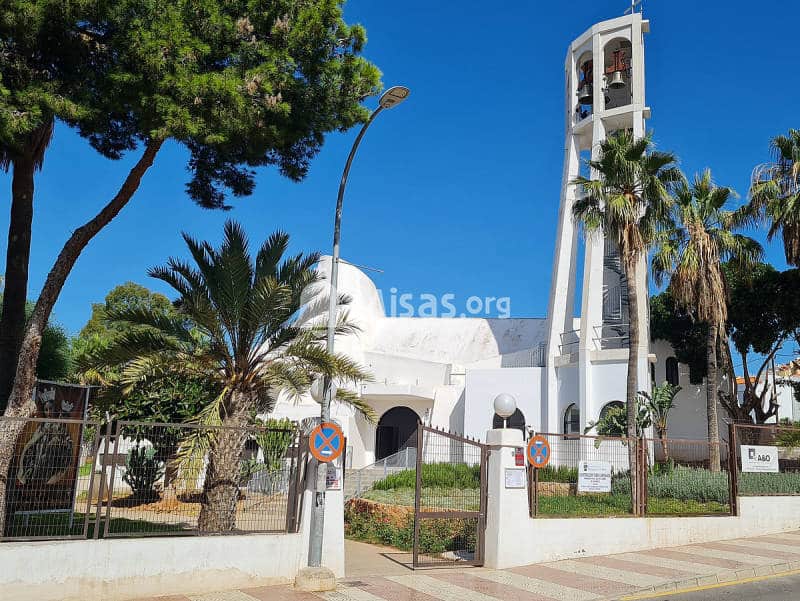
[(684, 483), (142, 472), (562, 473), (393, 526), (438, 475), (787, 483)]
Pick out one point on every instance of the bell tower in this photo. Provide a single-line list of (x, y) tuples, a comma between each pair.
[(587, 354)]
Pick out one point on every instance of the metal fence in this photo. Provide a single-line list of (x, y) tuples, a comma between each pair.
[(687, 477), (590, 476), (72, 479), (559, 490), (768, 459)]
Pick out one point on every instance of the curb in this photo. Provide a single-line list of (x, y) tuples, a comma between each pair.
[(722, 577)]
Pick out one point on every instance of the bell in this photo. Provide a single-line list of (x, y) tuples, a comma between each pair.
[(616, 81), (585, 95)]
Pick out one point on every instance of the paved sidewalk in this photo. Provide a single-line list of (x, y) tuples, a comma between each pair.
[(586, 579)]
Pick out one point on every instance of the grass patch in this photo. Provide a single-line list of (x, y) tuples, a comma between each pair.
[(431, 498), (85, 469), (57, 525)]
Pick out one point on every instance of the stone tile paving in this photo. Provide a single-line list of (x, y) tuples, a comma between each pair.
[(585, 579)]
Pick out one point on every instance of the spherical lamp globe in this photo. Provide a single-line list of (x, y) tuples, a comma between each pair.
[(318, 390), (505, 405)]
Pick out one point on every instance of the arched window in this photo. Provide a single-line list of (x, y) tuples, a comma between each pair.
[(572, 420), (517, 420), (611, 405), (673, 377)]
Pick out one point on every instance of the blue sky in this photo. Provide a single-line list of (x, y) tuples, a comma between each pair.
[(457, 190)]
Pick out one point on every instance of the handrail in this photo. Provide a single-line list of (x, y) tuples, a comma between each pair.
[(407, 460)]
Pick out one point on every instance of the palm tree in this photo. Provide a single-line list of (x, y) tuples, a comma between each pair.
[(775, 193), (625, 200), (242, 326), (691, 252), (659, 404)]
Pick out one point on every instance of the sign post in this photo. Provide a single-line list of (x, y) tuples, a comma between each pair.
[(538, 454)]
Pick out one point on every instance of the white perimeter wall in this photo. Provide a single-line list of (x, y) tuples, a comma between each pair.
[(513, 538), (118, 569), (546, 539)]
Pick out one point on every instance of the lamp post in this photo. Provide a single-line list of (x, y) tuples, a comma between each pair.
[(505, 405), (390, 98)]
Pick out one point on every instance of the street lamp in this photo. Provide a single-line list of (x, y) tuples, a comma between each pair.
[(505, 405), (390, 99)]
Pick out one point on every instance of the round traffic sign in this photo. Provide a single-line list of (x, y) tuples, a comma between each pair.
[(326, 442), (538, 451)]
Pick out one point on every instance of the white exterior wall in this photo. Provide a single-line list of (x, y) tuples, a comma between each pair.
[(119, 569), (483, 385)]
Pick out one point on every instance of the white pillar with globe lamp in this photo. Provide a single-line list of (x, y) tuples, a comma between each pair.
[(507, 505)]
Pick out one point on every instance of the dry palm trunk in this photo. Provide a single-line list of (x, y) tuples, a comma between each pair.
[(18, 252), (633, 368), (20, 403), (711, 399), (221, 484)]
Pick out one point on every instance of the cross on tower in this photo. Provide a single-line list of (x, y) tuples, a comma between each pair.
[(634, 4)]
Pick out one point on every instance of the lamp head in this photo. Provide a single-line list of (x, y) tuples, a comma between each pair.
[(393, 96), (317, 390), (505, 405)]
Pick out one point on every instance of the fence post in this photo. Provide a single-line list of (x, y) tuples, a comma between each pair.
[(644, 465), (733, 469), (103, 481), (406, 463), (117, 435), (417, 495)]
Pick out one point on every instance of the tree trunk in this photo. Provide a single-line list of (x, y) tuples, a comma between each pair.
[(18, 252), (221, 484), (662, 435), (629, 263), (21, 403), (712, 382)]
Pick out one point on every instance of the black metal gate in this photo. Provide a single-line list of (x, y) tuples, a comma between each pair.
[(450, 500)]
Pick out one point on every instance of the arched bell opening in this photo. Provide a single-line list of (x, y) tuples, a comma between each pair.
[(617, 73), (585, 90)]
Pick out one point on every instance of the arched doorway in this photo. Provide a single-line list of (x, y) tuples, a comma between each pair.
[(397, 429)]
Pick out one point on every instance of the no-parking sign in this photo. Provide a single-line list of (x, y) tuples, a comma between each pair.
[(327, 442), (538, 451)]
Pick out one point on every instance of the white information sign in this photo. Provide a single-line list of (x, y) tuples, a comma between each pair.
[(759, 459), (594, 476), (333, 478), (515, 477)]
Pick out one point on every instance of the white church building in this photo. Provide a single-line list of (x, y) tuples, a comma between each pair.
[(562, 370)]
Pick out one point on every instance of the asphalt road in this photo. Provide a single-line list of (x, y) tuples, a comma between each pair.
[(785, 588)]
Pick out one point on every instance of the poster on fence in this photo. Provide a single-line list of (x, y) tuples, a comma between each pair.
[(44, 467), (759, 459), (594, 476)]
